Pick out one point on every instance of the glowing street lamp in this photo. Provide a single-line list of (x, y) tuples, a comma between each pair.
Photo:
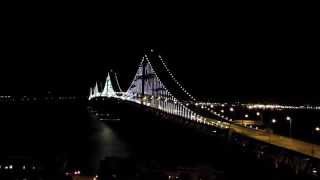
[(315, 130), (288, 118), (258, 113), (273, 120), (231, 109), (246, 116)]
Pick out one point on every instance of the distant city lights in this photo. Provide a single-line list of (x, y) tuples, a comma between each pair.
[(264, 106), (276, 106)]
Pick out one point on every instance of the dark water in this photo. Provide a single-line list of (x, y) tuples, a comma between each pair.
[(54, 133), (68, 137)]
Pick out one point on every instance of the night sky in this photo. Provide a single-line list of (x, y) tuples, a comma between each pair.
[(225, 58)]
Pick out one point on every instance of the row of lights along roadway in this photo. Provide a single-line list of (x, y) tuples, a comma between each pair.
[(258, 114)]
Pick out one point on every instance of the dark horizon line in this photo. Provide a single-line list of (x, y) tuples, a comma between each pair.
[(219, 99)]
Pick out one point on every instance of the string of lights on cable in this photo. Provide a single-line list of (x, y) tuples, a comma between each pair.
[(175, 79)]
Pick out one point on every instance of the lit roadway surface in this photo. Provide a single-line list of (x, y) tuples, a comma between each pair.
[(280, 141), (299, 146)]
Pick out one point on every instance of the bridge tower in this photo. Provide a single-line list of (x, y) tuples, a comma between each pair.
[(143, 77), (108, 90)]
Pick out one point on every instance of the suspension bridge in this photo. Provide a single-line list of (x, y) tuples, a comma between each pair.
[(170, 97)]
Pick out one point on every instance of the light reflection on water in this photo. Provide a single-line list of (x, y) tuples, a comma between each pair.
[(77, 139), (112, 144), (104, 142)]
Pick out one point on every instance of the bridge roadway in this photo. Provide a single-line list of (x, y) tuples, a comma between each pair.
[(296, 145), (309, 149)]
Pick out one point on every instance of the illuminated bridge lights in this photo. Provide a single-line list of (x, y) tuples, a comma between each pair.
[(166, 102), (162, 100)]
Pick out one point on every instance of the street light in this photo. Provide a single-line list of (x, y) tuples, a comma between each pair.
[(246, 116), (231, 109), (258, 113), (315, 130), (274, 121), (288, 118)]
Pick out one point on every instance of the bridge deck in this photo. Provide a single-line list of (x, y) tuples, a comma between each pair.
[(306, 148), (309, 149)]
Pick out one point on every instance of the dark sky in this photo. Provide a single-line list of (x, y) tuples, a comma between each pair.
[(257, 57)]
